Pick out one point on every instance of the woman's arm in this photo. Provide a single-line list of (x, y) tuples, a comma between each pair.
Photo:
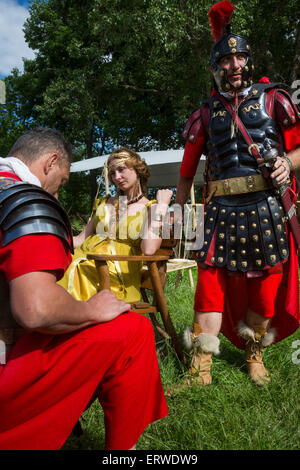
[(86, 232), (151, 239)]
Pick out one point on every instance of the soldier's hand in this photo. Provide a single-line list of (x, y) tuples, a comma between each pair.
[(106, 306), (281, 170)]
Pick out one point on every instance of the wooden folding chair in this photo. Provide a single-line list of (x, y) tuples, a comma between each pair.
[(153, 278)]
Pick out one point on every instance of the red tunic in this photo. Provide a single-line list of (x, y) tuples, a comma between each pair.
[(49, 380), (286, 317)]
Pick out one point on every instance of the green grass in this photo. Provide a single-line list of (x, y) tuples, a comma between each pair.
[(230, 414)]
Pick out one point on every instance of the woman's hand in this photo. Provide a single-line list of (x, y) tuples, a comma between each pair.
[(163, 196)]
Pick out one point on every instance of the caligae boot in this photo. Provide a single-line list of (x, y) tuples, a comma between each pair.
[(257, 339), (204, 345)]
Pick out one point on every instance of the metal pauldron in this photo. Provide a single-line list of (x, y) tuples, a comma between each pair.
[(27, 209)]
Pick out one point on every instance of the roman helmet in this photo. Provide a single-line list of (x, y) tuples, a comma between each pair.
[(227, 43)]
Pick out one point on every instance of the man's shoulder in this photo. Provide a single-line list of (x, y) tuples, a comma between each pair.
[(197, 120), (286, 111), (27, 209)]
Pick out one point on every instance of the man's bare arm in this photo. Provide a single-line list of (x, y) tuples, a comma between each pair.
[(183, 189), (38, 303)]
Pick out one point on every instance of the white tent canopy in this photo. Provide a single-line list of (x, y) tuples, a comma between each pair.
[(164, 167)]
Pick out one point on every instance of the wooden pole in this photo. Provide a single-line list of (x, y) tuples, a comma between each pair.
[(106, 179)]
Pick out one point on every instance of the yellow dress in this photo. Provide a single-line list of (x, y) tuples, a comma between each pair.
[(81, 278)]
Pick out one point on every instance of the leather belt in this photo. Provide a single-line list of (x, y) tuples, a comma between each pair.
[(239, 185), (11, 335)]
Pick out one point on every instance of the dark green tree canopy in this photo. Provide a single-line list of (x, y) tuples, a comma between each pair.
[(109, 73)]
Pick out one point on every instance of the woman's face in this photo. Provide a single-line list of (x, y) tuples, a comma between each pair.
[(123, 177)]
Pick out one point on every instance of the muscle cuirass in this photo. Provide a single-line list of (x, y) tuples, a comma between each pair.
[(247, 230), (227, 150)]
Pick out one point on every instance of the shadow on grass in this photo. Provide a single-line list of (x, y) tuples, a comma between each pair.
[(231, 354)]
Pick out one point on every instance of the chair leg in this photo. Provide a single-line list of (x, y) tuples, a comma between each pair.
[(163, 309), (153, 318)]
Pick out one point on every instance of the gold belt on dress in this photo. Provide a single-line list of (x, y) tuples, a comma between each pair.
[(239, 185)]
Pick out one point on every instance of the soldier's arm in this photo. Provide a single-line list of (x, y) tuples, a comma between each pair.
[(38, 303)]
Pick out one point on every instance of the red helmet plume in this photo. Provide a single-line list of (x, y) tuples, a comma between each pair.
[(219, 16)]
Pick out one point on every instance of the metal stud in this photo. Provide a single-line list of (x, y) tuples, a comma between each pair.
[(232, 239), (263, 208), (223, 211), (221, 235), (243, 252), (243, 240), (220, 259), (270, 246), (273, 257), (258, 262), (252, 213), (242, 214), (202, 253), (242, 227), (257, 250), (222, 222), (233, 263), (255, 238), (214, 208), (279, 227), (265, 221), (207, 231), (232, 252), (268, 233), (244, 264), (232, 226), (211, 219), (284, 252), (253, 225), (221, 247), (232, 214)]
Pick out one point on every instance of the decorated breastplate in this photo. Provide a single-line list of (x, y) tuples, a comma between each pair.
[(227, 151)]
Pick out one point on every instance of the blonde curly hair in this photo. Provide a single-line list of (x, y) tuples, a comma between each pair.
[(131, 160)]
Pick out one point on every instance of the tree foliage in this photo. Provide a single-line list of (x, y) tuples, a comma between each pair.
[(109, 73)]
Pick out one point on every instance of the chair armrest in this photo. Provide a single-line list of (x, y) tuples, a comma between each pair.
[(143, 258)]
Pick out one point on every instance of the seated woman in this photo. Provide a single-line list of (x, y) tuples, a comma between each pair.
[(118, 226)]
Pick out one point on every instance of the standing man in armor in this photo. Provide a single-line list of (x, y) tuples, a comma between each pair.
[(58, 354), (250, 134)]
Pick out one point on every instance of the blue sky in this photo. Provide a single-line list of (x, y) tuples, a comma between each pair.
[(13, 47)]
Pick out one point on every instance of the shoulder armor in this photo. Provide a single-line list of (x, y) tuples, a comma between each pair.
[(27, 209), (193, 125), (286, 110)]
